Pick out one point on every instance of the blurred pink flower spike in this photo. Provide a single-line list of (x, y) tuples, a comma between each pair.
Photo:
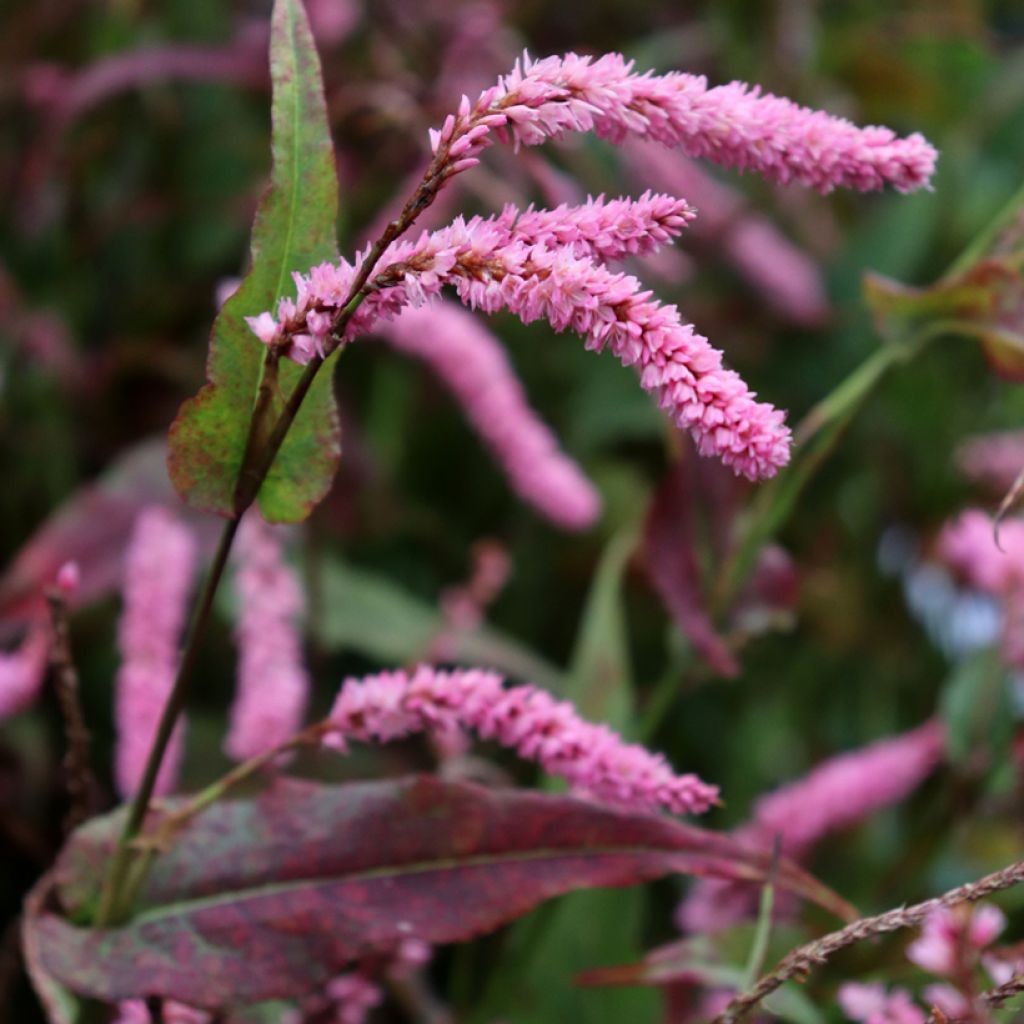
[(472, 364), (158, 571), (950, 934), (992, 460), (872, 1004), (594, 760), (836, 794), (273, 684)]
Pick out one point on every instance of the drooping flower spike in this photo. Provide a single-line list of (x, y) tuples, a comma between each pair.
[(733, 125), (492, 269), (834, 795), (593, 759)]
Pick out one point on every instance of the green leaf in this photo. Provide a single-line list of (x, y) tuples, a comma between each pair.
[(374, 616), (977, 707), (600, 679), (293, 230)]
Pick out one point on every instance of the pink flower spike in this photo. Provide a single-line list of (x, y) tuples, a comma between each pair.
[(835, 795), (593, 759), (158, 570), (872, 1004), (273, 685), (733, 125), (473, 365)]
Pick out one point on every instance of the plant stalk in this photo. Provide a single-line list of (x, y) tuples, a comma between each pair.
[(120, 864)]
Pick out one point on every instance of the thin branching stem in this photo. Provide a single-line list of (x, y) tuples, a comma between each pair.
[(802, 960)]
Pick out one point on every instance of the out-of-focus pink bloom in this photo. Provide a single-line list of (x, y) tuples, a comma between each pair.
[(951, 1001), (332, 20), (491, 271), (473, 365), (992, 460), (872, 1004), (593, 759), (465, 605), (158, 570), (273, 685), (951, 933), (23, 670), (968, 546), (786, 277), (410, 955), (353, 996), (69, 579), (733, 125), (835, 795)]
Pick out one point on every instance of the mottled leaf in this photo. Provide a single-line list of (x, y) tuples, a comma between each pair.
[(293, 230), (600, 677), (269, 897)]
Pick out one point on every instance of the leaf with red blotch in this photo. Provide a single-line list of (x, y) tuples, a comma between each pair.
[(670, 554), (294, 229), (269, 897)]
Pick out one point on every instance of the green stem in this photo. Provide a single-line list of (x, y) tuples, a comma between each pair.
[(983, 242), (120, 864)]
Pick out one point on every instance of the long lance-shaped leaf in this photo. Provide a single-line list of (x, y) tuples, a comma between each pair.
[(294, 229), (269, 897)]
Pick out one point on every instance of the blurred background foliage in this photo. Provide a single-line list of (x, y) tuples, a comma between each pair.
[(133, 146)]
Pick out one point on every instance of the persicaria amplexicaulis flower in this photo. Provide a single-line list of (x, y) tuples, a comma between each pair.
[(592, 758), (550, 264)]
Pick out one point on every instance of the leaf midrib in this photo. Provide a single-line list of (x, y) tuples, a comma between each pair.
[(439, 865)]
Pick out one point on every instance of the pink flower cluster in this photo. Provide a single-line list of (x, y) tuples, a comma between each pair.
[(607, 230), (473, 365), (872, 1004), (158, 569), (968, 546), (273, 685), (492, 270), (592, 758), (949, 931), (733, 125), (835, 795)]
